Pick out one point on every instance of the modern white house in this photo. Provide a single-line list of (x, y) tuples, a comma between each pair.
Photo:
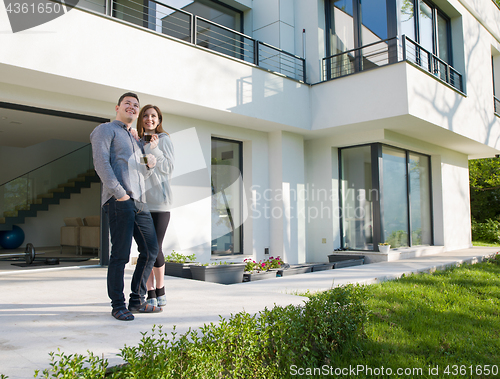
[(300, 126)]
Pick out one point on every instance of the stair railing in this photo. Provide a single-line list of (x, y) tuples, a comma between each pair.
[(29, 188)]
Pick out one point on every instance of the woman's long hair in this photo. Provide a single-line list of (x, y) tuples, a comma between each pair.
[(140, 122)]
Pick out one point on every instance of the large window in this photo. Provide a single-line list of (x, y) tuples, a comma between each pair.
[(227, 229), (429, 27), (173, 17), (357, 197), (385, 197), (351, 24), (394, 187)]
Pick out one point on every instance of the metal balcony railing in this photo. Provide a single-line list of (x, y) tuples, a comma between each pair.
[(361, 59), (177, 23), (389, 51), (496, 101), (416, 54)]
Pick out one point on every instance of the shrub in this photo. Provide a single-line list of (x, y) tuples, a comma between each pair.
[(488, 231), (180, 258), (264, 345)]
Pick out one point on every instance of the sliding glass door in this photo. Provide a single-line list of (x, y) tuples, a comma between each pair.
[(357, 200), (394, 195), (385, 195)]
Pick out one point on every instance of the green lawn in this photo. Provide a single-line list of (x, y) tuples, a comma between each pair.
[(487, 244), (446, 323)]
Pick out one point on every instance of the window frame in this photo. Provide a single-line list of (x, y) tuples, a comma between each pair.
[(240, 164)]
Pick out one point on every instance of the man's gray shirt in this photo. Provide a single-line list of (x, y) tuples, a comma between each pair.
[(117, 161)]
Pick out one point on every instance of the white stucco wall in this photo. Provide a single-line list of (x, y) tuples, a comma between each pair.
[(456, 201)]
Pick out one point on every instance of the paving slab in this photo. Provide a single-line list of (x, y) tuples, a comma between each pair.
[(44, 310)]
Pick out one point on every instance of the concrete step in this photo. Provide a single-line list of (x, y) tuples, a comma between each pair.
[(45, 196), (77, 179), (69, 184), (395, 254)]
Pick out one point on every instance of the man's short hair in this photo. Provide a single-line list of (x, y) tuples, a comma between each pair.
[(127, 94)]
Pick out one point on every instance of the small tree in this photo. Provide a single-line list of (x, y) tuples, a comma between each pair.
[(484, 179)]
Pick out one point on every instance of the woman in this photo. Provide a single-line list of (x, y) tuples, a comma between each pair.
[(158, 192)]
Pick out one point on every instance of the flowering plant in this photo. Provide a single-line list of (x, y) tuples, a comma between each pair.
[(275, 262), (272, 262), (383, 244)]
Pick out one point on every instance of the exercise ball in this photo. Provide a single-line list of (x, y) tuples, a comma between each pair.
[(12, 239)]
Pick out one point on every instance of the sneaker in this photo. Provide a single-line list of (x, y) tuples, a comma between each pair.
[(153, 301), (144, 308), (162, 300)]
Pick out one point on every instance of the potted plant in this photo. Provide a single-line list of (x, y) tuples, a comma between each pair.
[(221, 272), (177, 265), (384, 247), (262, 269)]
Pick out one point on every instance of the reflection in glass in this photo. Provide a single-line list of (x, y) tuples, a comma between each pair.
[(165, 17), (442, 25), (426, 27), (226, 197), (340, 36), (407, 18), (358, 196), (374, 21), (420, 200), (394, 197)]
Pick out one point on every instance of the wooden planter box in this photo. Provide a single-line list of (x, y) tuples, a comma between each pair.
[(346, 260), (253, 276), (223, 274), (179, 270), (294, 270)]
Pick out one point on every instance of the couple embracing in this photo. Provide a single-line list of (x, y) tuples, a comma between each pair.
[(136, 196)]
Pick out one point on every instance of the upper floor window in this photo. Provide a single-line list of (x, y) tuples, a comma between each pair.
[(211, 10), (429, 27), (354, 23), (174, 17)]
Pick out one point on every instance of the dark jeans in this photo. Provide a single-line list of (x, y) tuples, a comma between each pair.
[(126, 220)]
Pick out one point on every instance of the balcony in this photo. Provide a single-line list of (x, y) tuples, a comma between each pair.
[(386, 52), (185, 26)]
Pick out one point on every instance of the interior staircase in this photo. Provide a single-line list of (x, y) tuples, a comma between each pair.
[(53, 196)]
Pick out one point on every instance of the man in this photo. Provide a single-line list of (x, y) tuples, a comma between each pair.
[(117, 161)]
